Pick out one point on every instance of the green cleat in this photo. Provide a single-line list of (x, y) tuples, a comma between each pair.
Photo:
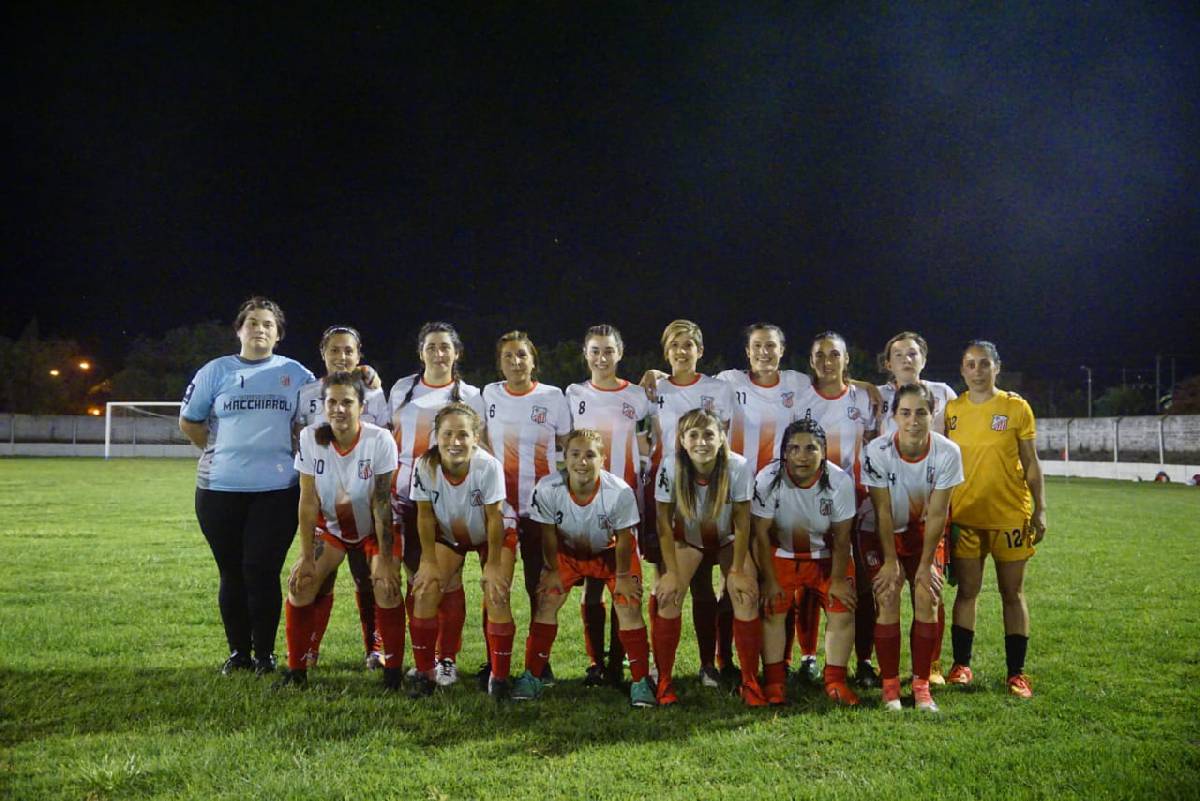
[(641, 693), (526, 687)]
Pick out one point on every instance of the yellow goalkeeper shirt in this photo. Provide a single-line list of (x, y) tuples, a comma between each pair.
[(994, 494)]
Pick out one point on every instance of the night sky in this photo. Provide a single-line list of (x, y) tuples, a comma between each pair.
[(1028, 174)]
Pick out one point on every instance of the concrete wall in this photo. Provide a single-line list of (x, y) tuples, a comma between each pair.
[(1156, 440)]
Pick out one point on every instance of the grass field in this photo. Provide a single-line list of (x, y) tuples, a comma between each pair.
[(110, 640)]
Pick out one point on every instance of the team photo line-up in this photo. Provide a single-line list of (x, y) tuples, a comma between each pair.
[(808, 492)]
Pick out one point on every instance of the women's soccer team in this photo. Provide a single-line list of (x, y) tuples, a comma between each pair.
[(808, 492)]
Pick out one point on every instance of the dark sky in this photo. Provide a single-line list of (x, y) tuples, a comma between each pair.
[(1027, 174)]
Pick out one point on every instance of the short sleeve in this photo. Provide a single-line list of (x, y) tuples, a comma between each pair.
[(541, 506), (950, 471), (569, 397), (377, 408), (562, 414), (625, 513), (476, 402), (662, 482), (763, 503), (1027, 429), (724, 402), (418, 491), (493, 482), (200, 393), (304, 453), (386, 455), (742, 483), (844, 507), (874, 471)]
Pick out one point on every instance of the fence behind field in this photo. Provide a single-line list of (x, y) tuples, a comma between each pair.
[(83, 435)]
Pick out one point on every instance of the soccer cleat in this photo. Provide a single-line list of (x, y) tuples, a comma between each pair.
[(922, 698), (446, 672), (666, 694), (526, 687), (808, 672), (421, 686), (264, 665), (752, 695), (960, 675), (774, 694), (547, 676), (483, 677), (594, 677), (865, 675), (393, 678), (709, 677), (1018, 685), (236, 661), (374, 660), (291, 678), (935, 674), (499, 689), (840, 693), (891, 695), (641, 693)]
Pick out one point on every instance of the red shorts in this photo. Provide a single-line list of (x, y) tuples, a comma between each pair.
[(870, 553), (573, 570), (796, 575), (369, 545), (462, 549)]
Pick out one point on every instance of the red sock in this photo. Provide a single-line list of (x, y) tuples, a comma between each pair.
[(321, 607), (451, 617), (887, 645), (666, 643), (924, 635), (366, 619), (595, 617), (808, 623), (298, 630), (775, 673), (835, 674), (538, 645), (747, 636), (424, 633), (704, 621), (500, 645), (941, 629), (637, 648), (391, 627)]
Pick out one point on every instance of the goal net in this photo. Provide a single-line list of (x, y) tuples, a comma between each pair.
[(144, 428)]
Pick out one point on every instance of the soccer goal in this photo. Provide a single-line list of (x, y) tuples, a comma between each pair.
[(144, 428)]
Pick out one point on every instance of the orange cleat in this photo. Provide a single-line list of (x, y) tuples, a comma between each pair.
[(666, 693), (922, 697), (752, 695), (774, 694), (1018, 685), (960, 675), (891, 695), (840, 693)]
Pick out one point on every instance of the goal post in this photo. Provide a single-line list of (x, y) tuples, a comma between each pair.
[(160, 426)]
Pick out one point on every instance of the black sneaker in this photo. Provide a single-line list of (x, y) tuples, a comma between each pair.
[(393, 678), (236, 661), (421, 686), (481, 677), (291, 678), (594, 677), (865, 676), (498, 689), (547, 676), (264, 665)]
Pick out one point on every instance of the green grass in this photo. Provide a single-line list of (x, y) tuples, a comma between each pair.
[(110, 640)]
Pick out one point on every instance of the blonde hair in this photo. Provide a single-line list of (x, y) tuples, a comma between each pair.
[(589, 434), (677, 328), (686, 475)]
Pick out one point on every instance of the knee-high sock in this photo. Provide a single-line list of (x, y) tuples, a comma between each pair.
[(500, 645), (775, 673), (298, 629), (538, 645), (924, 635), (391, 630), (704, 616), (616, 646), (747, 636), (637, 646), (451, 617), (322, 606), (424, 633), (864, 625), (887, 643), (835, 674), (594, 617), (666, 643), (808, 623), (366, 618), (724, 631)]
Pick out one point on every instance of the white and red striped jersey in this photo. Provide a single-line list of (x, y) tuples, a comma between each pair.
[(676, 400), (615, 414), (910, 482), (760, 414), (708, 533), (311, 410), (459, 506), (345, 481), (942, 394), (803, 515), (587, 525), (522, 431), (412, 422), (847, 419)]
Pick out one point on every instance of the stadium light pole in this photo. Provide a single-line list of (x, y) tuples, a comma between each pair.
[(1089, 374)]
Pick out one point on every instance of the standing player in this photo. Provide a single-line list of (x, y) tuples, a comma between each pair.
[(910, 475), (525, 420), (341, 350), (459, 491), (703, 513), (803, 510), (588, 516), (412, 405), (1000, 509), (619, 412), (345, 467), (240, 410), (674, 396), (903, 358)]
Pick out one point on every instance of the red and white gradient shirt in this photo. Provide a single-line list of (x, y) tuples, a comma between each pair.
[(615, 414), (412, 423), (676, 400), (803, 515), (523, 432), (708, 533), (311, 409), (586, 525), (846, 418), (942, 394), (345, 481), (760, 413), (459, 506), (910, 483)]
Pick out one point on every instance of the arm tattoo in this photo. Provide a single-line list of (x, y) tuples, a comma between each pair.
[(382, 505)]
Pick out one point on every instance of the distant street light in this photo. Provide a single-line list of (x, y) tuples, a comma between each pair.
[(85, 365), (1089, 373), (54, 371)]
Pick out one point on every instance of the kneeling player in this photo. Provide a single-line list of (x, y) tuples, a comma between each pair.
[(588, 517), (345, 468), (459, 491)]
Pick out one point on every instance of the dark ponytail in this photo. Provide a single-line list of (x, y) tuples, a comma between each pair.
[(805, 425)]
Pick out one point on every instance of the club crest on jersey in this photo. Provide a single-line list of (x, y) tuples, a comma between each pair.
[(788, 399), (707, 403), (538, 414), (286, 380), (628, 411), (603, 521), (476, 498), (999, 422), (364, 469), (826, 507), (853, 412)]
